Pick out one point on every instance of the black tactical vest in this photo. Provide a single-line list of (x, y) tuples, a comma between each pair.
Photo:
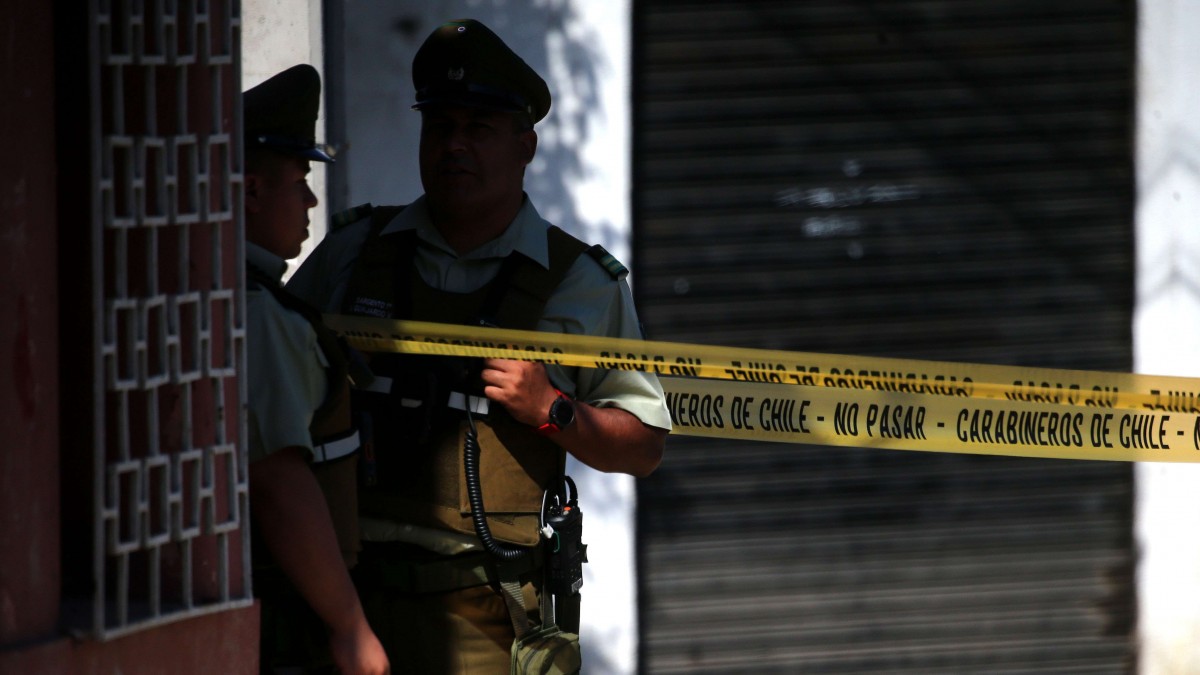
[(415, 458)]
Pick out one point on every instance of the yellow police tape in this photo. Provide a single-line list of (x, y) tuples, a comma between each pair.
[(857, 401)]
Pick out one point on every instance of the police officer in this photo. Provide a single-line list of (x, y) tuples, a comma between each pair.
[(473, 250), (301, 444)]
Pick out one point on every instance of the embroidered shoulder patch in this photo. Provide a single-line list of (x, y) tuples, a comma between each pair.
[(351, 215), (608, 262)]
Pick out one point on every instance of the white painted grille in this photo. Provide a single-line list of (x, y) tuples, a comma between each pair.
[(170, 513)]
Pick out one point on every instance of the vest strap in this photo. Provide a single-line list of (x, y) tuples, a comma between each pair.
[(478, 405), (514, 598), (378, 384)]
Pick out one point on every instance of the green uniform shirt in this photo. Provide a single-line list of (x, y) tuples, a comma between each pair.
[(286, 368), (587, 302)]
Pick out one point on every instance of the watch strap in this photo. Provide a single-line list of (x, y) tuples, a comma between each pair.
[(551, 427)]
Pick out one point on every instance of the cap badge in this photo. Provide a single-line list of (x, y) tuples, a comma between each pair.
[(456, 74)]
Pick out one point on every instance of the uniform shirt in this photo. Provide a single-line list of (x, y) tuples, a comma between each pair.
[(587, 302), (286, 368)]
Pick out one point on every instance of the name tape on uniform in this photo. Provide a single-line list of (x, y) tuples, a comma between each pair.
[(831, 399)]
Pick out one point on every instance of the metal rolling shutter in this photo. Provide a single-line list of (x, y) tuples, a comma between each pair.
[(933, 179)]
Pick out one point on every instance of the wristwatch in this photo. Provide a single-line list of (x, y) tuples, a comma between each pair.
[(562, 414)]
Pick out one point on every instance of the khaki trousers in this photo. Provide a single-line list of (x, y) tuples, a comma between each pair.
[(462, 632)]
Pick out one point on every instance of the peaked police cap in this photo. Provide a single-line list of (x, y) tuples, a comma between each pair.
[(281, 113), (464, 63)]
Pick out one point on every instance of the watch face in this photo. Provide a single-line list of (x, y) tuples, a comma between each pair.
[(562, 412)]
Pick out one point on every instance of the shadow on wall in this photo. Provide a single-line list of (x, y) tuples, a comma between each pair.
[(569, 58)]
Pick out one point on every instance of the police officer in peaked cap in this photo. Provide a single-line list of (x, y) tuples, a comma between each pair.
[(450, 575), (302, 446), (464, 63), (280, 113)]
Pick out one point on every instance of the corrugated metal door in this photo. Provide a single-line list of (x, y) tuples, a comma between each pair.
[(935, 179)]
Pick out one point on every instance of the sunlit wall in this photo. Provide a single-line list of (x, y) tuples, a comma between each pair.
[(1167, 323), (276, 35)]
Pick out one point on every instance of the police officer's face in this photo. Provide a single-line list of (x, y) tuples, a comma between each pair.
[(277, 202), (473, 158)]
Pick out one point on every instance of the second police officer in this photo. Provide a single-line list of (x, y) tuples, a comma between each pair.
[(473, 250)]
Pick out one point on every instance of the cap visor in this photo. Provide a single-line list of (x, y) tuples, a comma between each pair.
[(468, 101), (316, 154)]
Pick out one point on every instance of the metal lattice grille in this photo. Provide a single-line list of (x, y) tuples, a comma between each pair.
[(169, 472)]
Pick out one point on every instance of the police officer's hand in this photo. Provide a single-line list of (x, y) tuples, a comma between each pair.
[(357, 651), (522, 387)]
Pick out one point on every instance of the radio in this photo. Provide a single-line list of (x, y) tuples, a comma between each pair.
[(562, 525)]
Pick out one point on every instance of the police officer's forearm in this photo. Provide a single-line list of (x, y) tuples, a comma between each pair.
[(613, 440), (607, 439), (290, 510)]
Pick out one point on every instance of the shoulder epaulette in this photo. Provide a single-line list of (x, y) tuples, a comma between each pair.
[(607, 261), (348, 216)]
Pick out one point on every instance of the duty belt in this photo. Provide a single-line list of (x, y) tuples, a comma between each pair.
[(411, 569)]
